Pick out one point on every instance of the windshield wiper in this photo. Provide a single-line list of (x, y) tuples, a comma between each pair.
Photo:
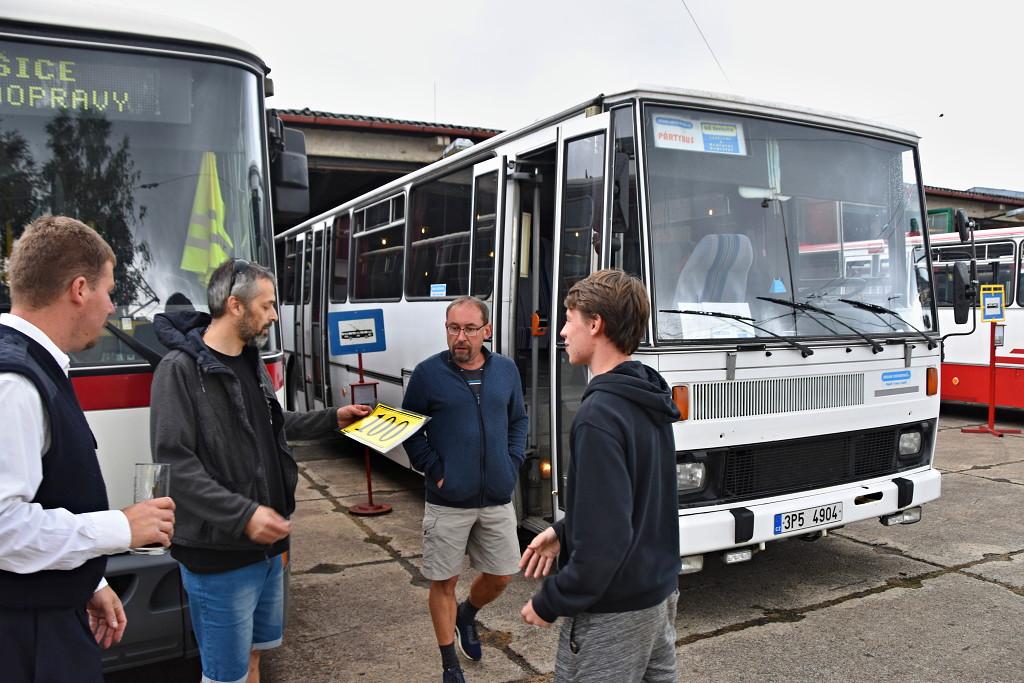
[(879, 310), (875, 346), (804, 350)]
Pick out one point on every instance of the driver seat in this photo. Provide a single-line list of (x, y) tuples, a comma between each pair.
[(716, 270)]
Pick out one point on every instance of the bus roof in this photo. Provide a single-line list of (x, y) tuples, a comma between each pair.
[(121, 21), (694, 98), (986, 234), (804, 114)]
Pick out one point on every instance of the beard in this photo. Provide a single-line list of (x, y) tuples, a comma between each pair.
[(462, 354), (250, 332)]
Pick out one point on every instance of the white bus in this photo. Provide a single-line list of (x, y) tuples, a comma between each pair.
[(804, 407), (153, 132), (965, 366)]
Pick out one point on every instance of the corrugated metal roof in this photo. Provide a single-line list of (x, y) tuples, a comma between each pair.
[(1012, 194), (975, 196), (326, 118)]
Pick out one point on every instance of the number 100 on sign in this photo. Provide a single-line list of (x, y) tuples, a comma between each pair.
[(384, 428)]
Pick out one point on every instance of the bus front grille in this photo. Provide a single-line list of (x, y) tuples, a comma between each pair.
[(761, 470), (772, 396), (787, 467)]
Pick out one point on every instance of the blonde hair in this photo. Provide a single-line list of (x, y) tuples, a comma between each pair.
[(53, 251)]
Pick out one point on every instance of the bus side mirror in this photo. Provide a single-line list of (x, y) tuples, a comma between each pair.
[(963, 225), (963, 292), (289, 176)]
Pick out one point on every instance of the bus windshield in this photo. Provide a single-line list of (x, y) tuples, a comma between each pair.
[(161, 155), (745, 210)]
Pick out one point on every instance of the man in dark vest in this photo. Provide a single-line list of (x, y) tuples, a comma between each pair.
[(55, 528)]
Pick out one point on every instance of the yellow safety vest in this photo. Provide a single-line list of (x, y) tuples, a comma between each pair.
[(208, 244)]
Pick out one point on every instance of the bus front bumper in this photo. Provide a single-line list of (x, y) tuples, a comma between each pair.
[(751, 525)]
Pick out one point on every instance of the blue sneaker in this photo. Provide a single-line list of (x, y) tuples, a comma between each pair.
[(453, 675), (466, 637)]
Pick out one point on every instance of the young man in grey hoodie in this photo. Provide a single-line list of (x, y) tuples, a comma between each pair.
[(618, 545)]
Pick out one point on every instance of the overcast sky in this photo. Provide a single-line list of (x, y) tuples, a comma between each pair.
[(949, 71)]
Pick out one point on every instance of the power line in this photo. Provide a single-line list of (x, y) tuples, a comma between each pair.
[(704, 38)]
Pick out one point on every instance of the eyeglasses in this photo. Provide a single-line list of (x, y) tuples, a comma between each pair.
[(470, 332), (240, 265)]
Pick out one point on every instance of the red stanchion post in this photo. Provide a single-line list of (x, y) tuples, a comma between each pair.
[(990, 428), (369, 508)]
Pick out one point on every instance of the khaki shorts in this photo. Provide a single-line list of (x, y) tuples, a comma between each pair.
[(487, 534)]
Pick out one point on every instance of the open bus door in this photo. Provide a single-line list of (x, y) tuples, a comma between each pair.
[(582, 189), (310, 335)]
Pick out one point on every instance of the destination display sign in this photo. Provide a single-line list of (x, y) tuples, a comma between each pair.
[(42, 80)]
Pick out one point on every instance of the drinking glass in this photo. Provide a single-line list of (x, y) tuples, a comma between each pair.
[(152, 480)]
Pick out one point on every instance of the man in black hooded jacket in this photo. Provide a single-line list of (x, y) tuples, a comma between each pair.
[(618, 545)]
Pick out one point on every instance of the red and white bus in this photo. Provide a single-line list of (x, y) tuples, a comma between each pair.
[(965, 368), (154, 132)]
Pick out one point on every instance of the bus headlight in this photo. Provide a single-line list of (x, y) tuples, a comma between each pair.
[(910, 443), (690, 476)]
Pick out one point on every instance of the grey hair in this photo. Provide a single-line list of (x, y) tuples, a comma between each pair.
[(244, 288), (485, 313)]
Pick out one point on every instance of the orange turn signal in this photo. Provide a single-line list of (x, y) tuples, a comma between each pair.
[(933, 381), (545, 469), (681, 397)]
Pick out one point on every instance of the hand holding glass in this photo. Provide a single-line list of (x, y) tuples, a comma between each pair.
[(152, 480)]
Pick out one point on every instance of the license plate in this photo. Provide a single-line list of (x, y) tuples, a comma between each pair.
[(807, 518)]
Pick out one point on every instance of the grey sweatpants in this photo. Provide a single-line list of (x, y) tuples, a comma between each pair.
[(619, 647)]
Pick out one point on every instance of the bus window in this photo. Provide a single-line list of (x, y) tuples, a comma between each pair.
[(484, 222), (287, 286), (339, 264), (1020, 278), (995, 266), (582, 208), (625, 218), (439, 237), (307, 270), (379, 245)]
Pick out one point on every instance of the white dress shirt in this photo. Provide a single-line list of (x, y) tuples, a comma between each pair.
[(32, 538)]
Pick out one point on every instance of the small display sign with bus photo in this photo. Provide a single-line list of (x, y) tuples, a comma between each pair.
[(385, 427), (992, 297)]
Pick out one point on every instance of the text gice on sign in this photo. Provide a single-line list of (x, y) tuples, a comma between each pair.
[(385, 427), (43, 80), (356, 331)]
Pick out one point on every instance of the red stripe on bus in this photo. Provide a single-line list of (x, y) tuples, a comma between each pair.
[(113, 392), (275, 369), (1010, 360), (116, 391)]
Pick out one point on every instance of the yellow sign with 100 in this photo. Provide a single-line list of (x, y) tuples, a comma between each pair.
[(385, 427)]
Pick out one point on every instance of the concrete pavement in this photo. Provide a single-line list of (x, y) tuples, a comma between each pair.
[(942, 600)]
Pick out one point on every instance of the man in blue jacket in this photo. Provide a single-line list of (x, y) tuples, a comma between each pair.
[(469, 453), (618, 545)]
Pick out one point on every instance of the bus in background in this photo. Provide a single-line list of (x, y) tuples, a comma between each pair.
[(153, 132), (809, 398), (965, 365)]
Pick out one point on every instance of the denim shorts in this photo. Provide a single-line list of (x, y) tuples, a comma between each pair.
[(234, 613)]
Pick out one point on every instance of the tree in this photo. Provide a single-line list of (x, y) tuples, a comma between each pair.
[(93, 182), (19, 197)]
